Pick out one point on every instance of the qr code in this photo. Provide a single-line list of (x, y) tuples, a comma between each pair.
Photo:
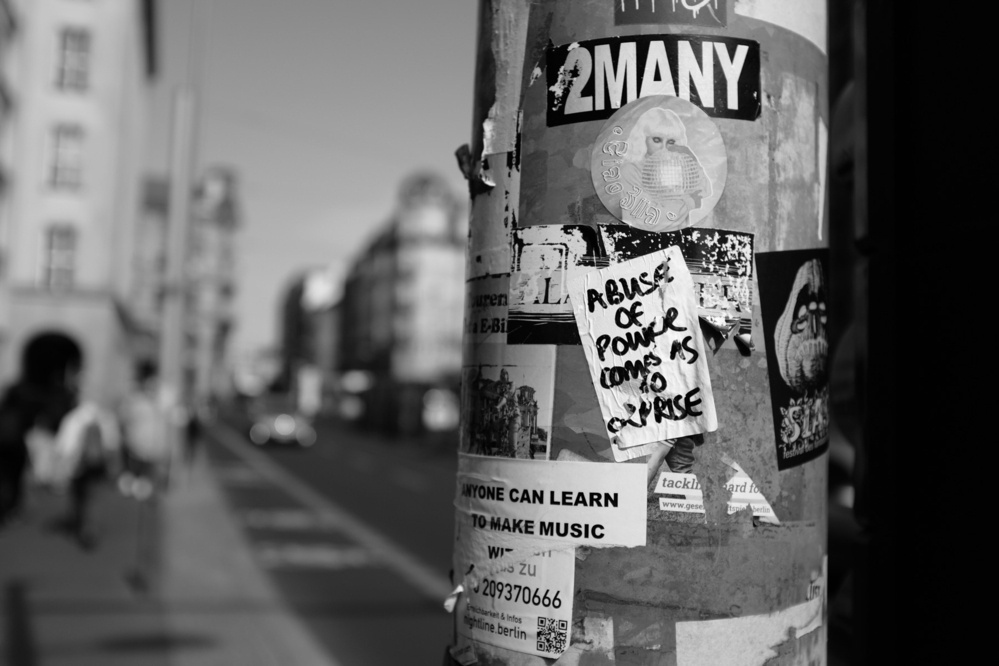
[(552, 635)]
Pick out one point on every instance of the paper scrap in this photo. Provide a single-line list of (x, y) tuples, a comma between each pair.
[(684, 495), (464, 655), (452, 598)]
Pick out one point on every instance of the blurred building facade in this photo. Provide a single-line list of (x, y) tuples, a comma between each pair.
[(7, 28), (310, 341), (75, 82), (210, 284), (401, 312)]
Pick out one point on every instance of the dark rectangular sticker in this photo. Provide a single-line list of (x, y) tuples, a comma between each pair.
[(793, 308), (705, 13), (720, 263), (590, 80)]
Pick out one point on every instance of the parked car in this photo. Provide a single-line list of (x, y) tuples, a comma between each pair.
[(282, 428)]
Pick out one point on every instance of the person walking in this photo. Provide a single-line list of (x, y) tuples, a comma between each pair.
[(146, 449), (38, 399), (17, 415), (86, 451)]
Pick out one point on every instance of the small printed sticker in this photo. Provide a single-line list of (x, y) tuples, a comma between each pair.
[(793, 307), (659, 164), (682, 493), (507, 402)]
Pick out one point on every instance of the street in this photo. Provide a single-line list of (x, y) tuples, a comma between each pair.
[(354, 532)]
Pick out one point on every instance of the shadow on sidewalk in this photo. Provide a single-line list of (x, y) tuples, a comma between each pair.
[(170, 582), (63, 603)]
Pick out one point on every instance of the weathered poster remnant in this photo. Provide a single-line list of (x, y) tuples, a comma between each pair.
[(756, 639), (638, 324), (659, 164), (681, 493), (507, 398), (793, 308), (720, 263), (544, 258), (486, 303)]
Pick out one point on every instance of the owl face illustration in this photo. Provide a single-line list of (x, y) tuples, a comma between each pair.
[(800, 336)]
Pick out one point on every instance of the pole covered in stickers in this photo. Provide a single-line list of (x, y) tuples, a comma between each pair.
[(644, 424)]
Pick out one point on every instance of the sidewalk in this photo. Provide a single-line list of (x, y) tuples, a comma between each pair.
[(206, 602)]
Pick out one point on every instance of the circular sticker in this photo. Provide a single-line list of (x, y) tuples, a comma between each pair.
[(659, 164)]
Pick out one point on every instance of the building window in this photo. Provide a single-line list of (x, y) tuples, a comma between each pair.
[(59, 259), (67, 157), (73, 69)]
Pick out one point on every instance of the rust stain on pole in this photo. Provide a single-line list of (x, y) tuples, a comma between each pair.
[(733, 566)]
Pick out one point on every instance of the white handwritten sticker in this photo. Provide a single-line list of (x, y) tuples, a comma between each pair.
[(638, 324)]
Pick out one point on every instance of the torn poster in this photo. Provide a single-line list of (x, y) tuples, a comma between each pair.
[(567, 502), (486, 300), (543, 260), (683, 494), (523, 600), (793, 310), (638, 324), (507, 401), (720, 263), (659, 164)]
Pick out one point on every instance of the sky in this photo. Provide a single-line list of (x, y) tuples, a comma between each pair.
[(323, 107)]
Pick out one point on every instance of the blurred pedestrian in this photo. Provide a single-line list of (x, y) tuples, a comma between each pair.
[(87, 447), (17, 414), (39, 399), (145, 445), (192, 432)]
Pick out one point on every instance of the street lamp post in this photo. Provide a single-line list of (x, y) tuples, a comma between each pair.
[(642, 466)]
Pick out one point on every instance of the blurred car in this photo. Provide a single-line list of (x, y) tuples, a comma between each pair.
[(282, 428)]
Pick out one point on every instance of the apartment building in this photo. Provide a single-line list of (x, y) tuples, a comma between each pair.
[(401, 314), (74, 97)]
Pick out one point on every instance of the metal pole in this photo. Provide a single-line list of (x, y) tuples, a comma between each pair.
[(642, 467), (182, 167), (171, 352)]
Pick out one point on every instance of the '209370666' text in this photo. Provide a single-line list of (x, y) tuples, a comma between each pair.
[(535, 596)]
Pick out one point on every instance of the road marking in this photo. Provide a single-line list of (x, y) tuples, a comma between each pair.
[(284, 519), (313, 555), (239, 475), (363, 461), (409, 479), (394, 556)]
